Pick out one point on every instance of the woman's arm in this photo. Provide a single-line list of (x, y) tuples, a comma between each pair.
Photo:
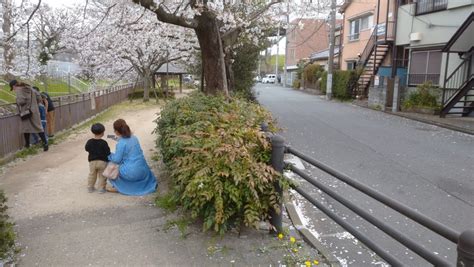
[(117, 157)]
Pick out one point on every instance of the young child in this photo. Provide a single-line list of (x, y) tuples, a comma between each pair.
[(98, 152)]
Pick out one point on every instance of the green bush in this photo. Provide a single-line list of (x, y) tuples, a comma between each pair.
[(218, 159), (7, 235), (296, 84), (342, 83), (423, 97), (312, 73)]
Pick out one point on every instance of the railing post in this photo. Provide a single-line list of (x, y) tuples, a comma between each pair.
[(278, 152), (466, 249)]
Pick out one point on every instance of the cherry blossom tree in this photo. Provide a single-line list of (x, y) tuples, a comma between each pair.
[(217, 24), (118, 36)]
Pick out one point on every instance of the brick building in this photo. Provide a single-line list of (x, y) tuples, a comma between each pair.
[(304, 37)]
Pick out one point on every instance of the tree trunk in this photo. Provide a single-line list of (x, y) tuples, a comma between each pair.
[(212, 52), (8, 53), (147, 80), (229, 71)]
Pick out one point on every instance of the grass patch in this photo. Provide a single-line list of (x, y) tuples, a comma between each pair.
[(167, 202), (181, 224)]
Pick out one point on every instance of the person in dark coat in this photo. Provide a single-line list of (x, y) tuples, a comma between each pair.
[(28, 99), (50, 115)]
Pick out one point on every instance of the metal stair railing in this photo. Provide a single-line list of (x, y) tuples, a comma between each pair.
[(456, 81)]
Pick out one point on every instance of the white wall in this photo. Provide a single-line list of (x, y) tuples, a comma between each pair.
[(435, 28)]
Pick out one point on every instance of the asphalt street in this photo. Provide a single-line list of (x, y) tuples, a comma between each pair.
[(426, 167)]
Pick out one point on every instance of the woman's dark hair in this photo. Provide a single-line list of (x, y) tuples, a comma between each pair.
[(122, 128), (98, 128)]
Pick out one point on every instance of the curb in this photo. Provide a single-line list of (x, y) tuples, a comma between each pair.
[(308, 236), (435, 123), (439, 124)]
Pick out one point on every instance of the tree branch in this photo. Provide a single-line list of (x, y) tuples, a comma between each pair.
[(251, 18), (26, 23), (165, 16)]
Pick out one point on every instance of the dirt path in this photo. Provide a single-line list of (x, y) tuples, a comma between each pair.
[(55, 181), (53, 184)]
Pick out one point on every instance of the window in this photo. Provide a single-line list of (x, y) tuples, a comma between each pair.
[(428, 6), (424, 66), (360, 24), (351, 65)]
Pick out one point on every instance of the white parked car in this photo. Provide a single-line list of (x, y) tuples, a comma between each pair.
[(269, 78)]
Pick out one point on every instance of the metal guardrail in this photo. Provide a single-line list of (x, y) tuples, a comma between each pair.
[(464, 240), (70, 110)]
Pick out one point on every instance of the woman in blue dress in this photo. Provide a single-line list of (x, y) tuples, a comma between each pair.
[(135, 177)]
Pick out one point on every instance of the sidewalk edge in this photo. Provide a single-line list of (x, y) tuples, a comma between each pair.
[(308, 236), (430, 122)]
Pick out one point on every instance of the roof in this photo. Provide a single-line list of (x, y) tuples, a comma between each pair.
[(461, 41), (323, 54), (172, 68)]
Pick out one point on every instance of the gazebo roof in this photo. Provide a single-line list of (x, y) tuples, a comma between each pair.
[(172, 68)]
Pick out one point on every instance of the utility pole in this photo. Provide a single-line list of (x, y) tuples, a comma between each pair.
[(285, 72), (278, 51), (331, 50)]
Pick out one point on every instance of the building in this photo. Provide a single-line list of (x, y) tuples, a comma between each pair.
[(368, 37), (321, 57), (436, 39), (304, 37)]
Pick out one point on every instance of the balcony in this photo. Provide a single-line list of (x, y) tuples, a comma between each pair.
[(430, 6)]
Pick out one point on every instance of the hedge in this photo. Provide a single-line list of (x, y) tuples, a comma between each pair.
[(343, 82), (218, 160)]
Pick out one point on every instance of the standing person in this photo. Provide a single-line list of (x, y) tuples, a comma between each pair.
[(50, 115), (43, 106), (27, 100), (135, 177), (98, 152)]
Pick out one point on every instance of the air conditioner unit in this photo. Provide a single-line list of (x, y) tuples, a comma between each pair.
[(415, 36)]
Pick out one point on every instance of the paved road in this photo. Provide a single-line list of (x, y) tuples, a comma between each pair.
[(426, 167)]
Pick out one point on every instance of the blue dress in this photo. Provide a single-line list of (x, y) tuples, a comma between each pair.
[(135, 177)]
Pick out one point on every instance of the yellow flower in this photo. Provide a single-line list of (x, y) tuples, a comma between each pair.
[(308, 264), (295, 250), (315, 262), (292, 239), (280, 236)]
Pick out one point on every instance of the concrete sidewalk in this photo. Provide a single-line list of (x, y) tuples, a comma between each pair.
[(460, 124)]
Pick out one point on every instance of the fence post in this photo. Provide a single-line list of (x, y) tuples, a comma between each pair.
[(466, 249), (278, 152)]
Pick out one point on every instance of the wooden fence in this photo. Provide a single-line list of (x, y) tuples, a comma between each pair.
[(70, 110)]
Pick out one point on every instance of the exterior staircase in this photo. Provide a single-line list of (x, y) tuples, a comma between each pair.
[(372, 57), (458, 91), (372, 66)]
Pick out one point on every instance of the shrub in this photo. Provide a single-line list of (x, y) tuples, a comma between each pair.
[(313, 72), (7, 235), (342, 83), (218, 159), (423, 97), (296, 84)]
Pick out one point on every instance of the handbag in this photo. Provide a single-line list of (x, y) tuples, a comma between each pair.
[(111, 171), (25, 115)]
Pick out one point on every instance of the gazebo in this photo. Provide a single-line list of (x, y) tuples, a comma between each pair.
[(172, 69)]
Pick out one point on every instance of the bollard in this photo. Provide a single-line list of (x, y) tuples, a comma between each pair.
[(278, 152), (466, 249)]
